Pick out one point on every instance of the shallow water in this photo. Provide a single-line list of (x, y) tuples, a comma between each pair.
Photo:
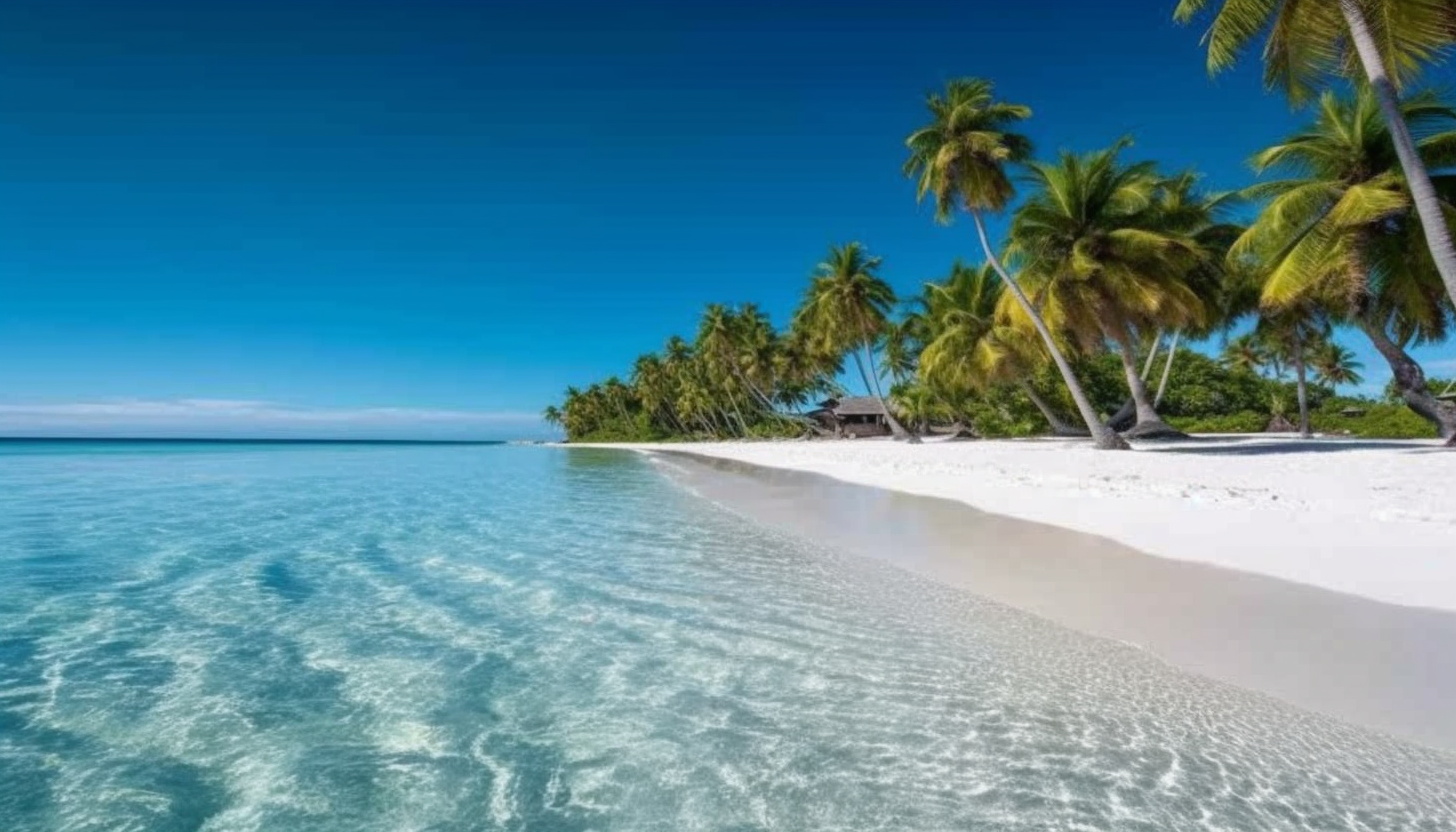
[(491, 637)]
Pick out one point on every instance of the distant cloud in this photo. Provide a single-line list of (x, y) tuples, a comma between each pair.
[(236, 417)]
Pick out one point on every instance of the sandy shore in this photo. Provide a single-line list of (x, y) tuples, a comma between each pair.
[(1383, 666), (1370, 518)]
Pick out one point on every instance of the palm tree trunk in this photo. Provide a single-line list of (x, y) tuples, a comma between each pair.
[(1142, 402), (1059, 427), (737, 411), (1423, 193), (1410, 379), (1300, 385), (896, 429), (672, 417), (722, 420), (1167, 368), (1152, 355), (1126, 416), (1104, 437)]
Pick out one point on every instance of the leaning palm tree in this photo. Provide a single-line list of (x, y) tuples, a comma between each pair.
[(552, 416), (847, 310), (969, 346), (1342, 225), (1094, 238), (960, 158), (1389, 40), (1335, 365)]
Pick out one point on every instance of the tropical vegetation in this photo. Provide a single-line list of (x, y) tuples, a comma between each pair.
[(1126, 301)]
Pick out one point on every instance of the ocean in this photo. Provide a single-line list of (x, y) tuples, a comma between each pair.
[(352, 637)]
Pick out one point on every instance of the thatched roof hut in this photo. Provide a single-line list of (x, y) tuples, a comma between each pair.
[(853, 416)]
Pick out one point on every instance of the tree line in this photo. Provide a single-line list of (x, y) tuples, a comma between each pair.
[(1114, 260)]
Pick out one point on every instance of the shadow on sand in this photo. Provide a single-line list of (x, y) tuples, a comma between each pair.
[(1202, 446)]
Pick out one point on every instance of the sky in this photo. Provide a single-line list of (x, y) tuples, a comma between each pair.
[(425, 219)]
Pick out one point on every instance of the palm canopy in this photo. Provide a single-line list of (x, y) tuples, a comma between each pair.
[(960, 156), (962, 350), (1306, 41), (847, 305), (1340, 228), (1099, 250), (1335, 365), (1246, 352)]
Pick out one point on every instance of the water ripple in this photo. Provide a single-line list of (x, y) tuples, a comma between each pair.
[(506, 638)]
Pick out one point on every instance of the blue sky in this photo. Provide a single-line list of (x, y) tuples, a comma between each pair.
[(426, 218)]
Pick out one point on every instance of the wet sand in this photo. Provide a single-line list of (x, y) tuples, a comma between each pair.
[(1382, 666)]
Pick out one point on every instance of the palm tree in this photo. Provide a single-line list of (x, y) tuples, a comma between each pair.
[(847, 310), (919, 404), (803, 373), (961, 158), (653, 388), (972, 347), (1287, 337), (552, 416), (1246, 352), (902, 349), (1389, 39), (1201, 215), (1098, 246), (1335, 365), (716, 347), (1198, 215), (1341, 231)]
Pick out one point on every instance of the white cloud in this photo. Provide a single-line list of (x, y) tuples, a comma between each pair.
[(235, 416)]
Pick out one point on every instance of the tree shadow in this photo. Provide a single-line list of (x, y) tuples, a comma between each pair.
[(1263, 447)]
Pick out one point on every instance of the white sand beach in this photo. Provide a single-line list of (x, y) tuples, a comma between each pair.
[(1375, 519)]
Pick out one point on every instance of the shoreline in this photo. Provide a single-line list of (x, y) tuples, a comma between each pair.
[(1373, 519), (1381, 666)]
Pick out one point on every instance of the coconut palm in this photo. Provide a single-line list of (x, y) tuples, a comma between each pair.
[(716, 347), (1335, 365), (552, 416), (1183, 208), (1389, 40), (902, 349), (654, 389), (919, 405), (1341, 230), (960, 158), (847, 310), (967, 348), (1287, 337), (1246, 352), (802, 372), (1095, 241)]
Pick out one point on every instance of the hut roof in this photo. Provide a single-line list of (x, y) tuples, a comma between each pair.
[(858, 406)]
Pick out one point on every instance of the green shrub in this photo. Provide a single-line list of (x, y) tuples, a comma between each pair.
[(1245, 421), (1379, 421)]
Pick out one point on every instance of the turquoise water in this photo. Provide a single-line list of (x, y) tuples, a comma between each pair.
[(312, 638)]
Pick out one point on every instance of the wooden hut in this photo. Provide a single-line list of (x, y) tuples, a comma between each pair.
[(853, 416)]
